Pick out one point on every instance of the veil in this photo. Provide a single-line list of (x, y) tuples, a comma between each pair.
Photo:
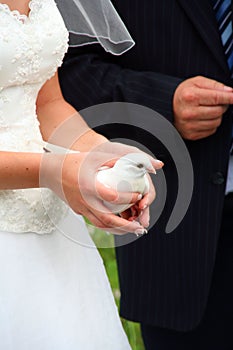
[(95, 21)]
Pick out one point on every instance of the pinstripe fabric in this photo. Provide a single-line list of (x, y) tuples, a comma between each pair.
[(223, 13), (165, 279)]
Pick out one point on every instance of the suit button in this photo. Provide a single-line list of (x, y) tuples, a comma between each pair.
[(218, 178)]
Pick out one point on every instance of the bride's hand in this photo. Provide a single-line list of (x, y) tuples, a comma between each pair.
[(140, 211), (72, 178)]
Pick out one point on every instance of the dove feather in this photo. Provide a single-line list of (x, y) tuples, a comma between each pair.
[(126, 176)]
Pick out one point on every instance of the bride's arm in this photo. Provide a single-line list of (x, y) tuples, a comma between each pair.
[(60, 123), (19, 170), (59, 173)]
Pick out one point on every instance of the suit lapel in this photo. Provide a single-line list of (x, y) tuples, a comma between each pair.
[(203, 18)]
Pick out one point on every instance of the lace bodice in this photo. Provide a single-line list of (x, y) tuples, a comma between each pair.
[(31, 49)]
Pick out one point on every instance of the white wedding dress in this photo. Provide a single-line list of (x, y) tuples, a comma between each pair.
[(54, 292)]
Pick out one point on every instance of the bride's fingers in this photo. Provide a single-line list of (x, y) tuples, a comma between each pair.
[(144, 217), (134, 213), (117, 223), (105, 193), (157, 164), (110, 195), (107, 225), (149, 197), (127, 198), (112, 221), (93, 219), (100, 216)]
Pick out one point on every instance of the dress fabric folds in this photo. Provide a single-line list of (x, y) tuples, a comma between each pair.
[(54, 292)]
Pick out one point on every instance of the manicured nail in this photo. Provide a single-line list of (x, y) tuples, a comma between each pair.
[(145, 206), (228, 88), (139, 197), (140, 232)]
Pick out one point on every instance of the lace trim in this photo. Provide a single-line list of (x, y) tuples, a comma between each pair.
[(22, 18)]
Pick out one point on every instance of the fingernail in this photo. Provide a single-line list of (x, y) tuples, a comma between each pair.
[(140, 232), (145, 206), (227, 88), (139, 197)]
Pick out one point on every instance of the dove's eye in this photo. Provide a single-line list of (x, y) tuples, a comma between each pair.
[(140, 165)]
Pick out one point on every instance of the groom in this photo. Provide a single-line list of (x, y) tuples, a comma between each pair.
[(178, 286)]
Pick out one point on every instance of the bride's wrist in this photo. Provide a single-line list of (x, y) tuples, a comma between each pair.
[(50, 168), (57, 169), (19, 170), (89, 141)]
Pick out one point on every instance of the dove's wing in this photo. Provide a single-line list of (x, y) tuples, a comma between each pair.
[(122, 183)]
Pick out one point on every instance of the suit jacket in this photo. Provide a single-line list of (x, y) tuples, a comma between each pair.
[(164, 279)]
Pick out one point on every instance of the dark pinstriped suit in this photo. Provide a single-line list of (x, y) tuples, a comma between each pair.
[(165, 279)]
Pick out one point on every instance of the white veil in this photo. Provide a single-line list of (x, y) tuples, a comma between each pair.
[(95, 21)]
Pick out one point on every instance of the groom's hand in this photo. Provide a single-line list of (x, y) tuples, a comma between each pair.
[(199, 104)]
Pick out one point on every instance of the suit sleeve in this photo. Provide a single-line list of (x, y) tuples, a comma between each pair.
[(89, 78)]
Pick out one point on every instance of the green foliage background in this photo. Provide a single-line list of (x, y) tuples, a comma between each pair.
[(108, 255)]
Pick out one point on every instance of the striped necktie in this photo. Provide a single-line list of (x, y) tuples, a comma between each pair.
[(223, 13)]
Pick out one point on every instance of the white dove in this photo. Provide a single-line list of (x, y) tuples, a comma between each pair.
[(129, 174)]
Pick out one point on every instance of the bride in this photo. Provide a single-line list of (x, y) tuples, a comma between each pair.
[(54, 293)]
